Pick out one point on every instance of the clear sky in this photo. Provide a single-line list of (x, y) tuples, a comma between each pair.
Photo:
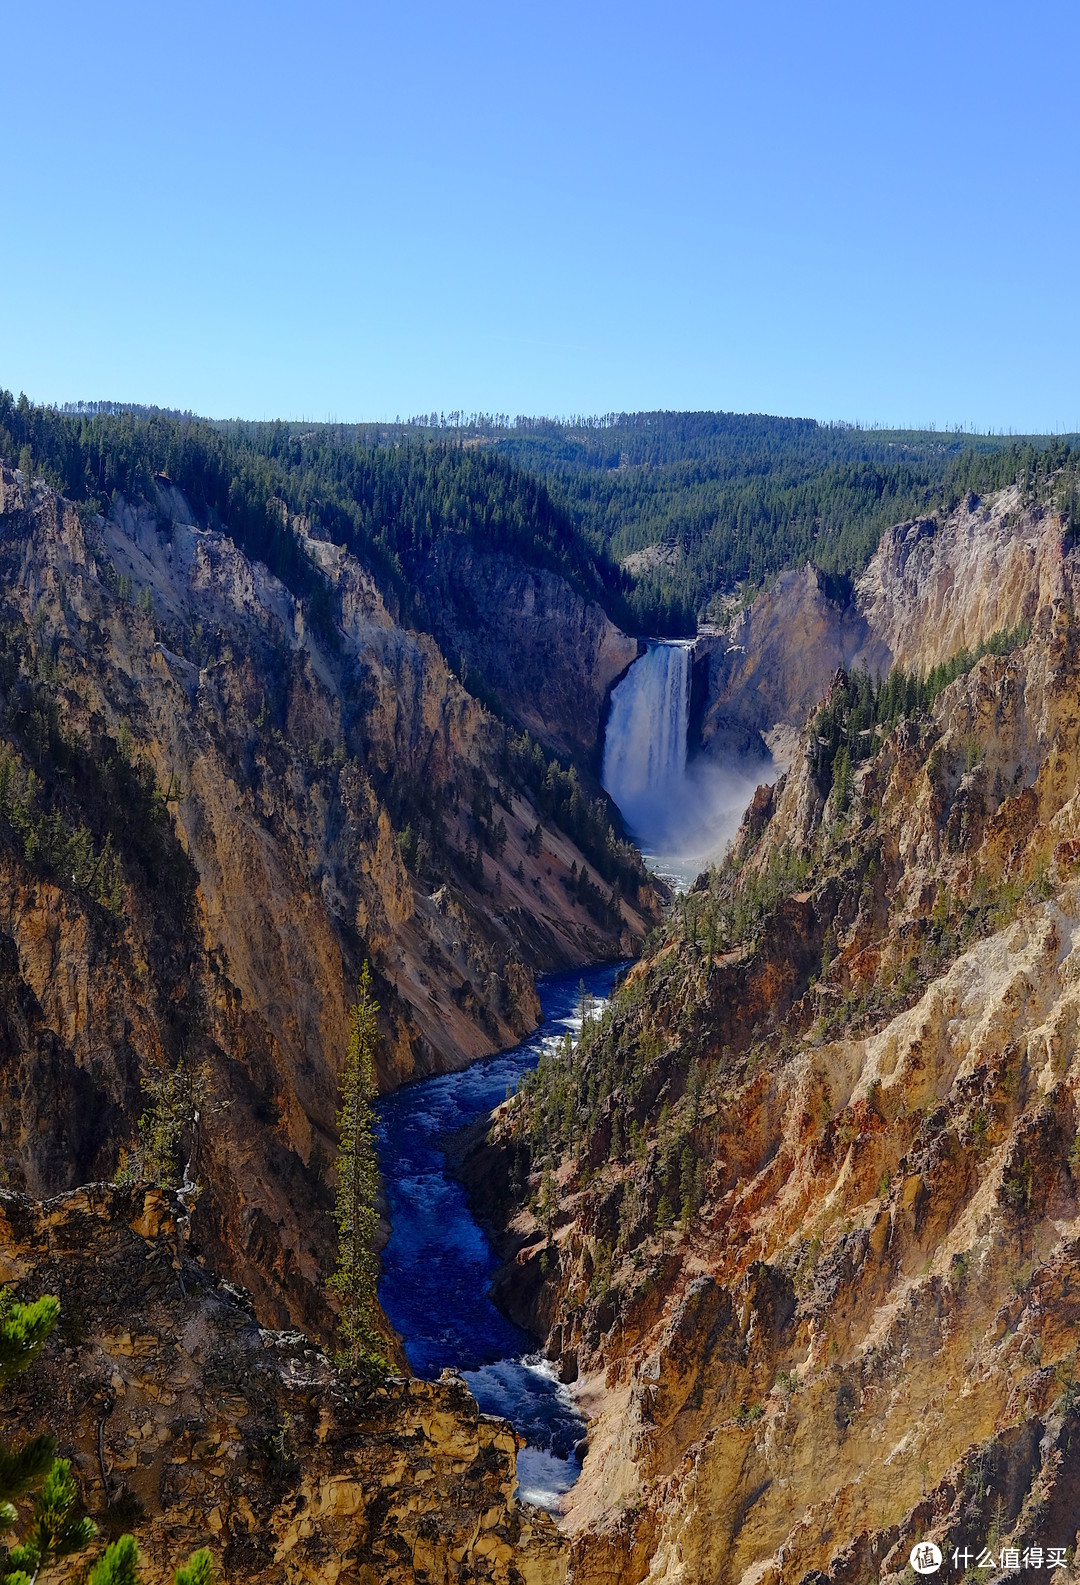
[(867, 211)]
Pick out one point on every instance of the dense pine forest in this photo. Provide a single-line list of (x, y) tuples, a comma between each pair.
[(665, 518), (715, 501), (389, 499)]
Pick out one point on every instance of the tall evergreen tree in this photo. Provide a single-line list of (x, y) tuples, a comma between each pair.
[(357, 1271)]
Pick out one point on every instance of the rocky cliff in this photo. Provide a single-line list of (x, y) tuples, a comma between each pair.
[(802, 1213), (760, 676), (191, 1425), (549, 655), (213, 811), (931, 588)]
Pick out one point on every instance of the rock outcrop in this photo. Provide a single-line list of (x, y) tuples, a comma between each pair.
[(190, 1424), (930, 589), (774, 662)]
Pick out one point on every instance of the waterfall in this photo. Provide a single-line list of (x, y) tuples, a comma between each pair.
[(645, 741), (683, 816)]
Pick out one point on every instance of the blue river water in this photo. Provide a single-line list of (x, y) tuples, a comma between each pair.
[(438, 1264)]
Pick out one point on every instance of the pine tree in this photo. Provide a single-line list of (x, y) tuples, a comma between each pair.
[(548, 1202), (56, 1530), (119, 1566), (356, 1274), (24, 1329), (843, 780), (199, 1570)]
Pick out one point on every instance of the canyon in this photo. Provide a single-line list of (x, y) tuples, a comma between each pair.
[(811, 1268), (795, 1219), (256, 779)]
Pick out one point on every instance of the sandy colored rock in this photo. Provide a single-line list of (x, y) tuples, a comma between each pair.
[(868, 1333), (282, 763), (245, 1439)]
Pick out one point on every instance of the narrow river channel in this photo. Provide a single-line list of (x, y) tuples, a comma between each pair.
[(437, 1267)]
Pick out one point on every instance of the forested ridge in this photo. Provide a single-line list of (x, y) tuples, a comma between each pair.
[(732, 499), (390, 503), (717, 502)]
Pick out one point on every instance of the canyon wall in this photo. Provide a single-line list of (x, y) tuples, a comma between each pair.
[(282, 803), (930, 589), (549, 655), (812, 1263)]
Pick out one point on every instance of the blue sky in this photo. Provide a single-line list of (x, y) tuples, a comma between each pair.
[(342, 210)]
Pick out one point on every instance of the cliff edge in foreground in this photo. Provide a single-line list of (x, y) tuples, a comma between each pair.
[(191, 1425)]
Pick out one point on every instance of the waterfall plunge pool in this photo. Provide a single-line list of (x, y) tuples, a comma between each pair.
[(438, 1264)]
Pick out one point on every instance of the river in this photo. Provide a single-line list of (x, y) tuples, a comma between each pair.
[(437, 1266)]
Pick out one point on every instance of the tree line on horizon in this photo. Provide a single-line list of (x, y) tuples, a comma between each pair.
[(734, 499), (729, 500)]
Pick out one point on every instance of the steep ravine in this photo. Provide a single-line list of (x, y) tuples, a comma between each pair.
[(259, 786), (798, 1219)]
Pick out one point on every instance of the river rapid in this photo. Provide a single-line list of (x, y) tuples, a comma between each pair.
[(438, 1264)]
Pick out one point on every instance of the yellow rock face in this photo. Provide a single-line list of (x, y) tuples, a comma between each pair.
[(280, 759), (869, 1332), (248, 1440)]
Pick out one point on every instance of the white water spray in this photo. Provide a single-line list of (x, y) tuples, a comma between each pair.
[(682, 816)]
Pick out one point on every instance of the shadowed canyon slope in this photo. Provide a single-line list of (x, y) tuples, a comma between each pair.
[(809, 1242), (549, 655)]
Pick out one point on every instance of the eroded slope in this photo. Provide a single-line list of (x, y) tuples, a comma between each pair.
[(211, 816), (808, 1230)]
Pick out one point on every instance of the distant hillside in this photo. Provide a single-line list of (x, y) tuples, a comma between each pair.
[(388, 499), (734, 499), (659, 517)]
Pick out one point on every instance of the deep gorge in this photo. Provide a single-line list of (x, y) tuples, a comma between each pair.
[(822, 1125), (437, 1266)]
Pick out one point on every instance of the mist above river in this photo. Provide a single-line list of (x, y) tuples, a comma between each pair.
[(692, 825)]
